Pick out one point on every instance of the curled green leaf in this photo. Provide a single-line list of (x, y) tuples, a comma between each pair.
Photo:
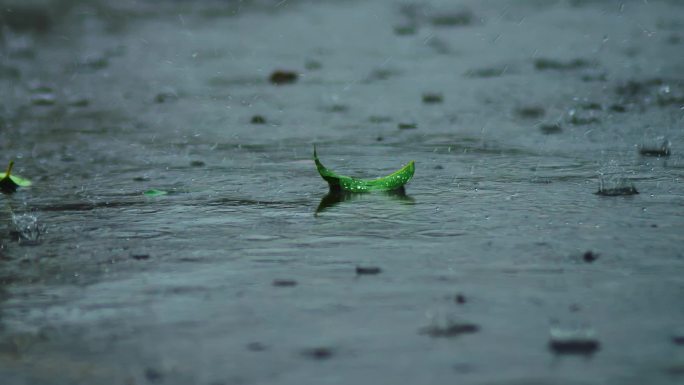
[(154, 193), (391, 182), (9, 183)]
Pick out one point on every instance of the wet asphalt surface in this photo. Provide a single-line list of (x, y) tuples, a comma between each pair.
[(499, 265)]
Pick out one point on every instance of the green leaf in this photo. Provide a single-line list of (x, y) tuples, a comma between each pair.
[(9, 183), (394, 181), (154, 193)]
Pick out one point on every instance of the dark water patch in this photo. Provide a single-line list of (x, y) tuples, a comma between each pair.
[(592, 106), (313, 65), (380, 74), (545, 64), (154, 375), (166, 96), (197, 163), (530, 112), (336, 108), (379, 119), (9, 72), (439, 45), (673, 39), (78, 101), (584, 3), (486, 72), (676, 369), (619, 108), (439, 233), (550, 129), (579, 118), (593, 75), (87, 206), (238, 202), (452, 19), (140, 257), (678, 339), (460, 299), (256, 347), (405, 29), (94, 62), (26, 17), (635, 89)]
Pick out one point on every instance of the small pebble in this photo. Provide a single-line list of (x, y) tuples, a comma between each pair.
[(432, 98), (581, 342), (543, 64), (320, 353), (281, 77), (284, 282), (258, 119), (590, 256), (369, 270), (407, 126), (450, 329)]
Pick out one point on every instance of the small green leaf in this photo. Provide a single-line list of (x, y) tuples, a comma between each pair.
[(21, 182), (9, 182), (394, 181), (154, 193)]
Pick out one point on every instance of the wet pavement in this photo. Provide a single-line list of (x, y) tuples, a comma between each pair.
[(499, 265)]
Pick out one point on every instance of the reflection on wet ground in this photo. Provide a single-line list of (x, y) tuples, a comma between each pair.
[(333, 198)]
